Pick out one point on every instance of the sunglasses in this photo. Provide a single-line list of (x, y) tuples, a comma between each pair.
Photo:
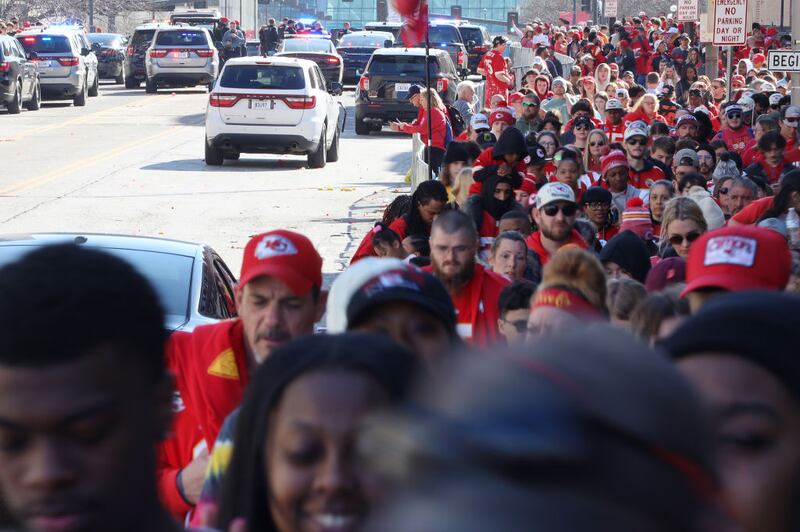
[(791, 120), (723, 190), (596, 144), (521, 326), (582, 127), (568, 209), (598, 205), (640, 142), (529, 104), (677, 240)]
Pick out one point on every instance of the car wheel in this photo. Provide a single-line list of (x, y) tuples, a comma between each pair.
[(333, 152), (94, 90), (80, 98), (362, 128), (317, 158), (150, 86), (35, 102), (131, 83), (213, 155), (15, 106), (231, 156)]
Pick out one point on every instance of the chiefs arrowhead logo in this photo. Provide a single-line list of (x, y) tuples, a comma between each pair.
[(274, 246), (224, 366)]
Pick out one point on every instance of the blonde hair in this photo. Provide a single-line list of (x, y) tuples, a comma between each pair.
[(578, 270), (461, 184), (586, 156), (681, 208), (436, 100), (646, 96)]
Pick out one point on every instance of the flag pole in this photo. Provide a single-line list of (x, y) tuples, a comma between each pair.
[(428, 94)]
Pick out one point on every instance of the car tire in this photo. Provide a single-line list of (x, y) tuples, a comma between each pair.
[(213, 156), (80, 99), (35, 103), (316, 159), (15, 106), (94, 90), (362, 128), (131, 83), (150, 86), (332, 154), (231, 156)]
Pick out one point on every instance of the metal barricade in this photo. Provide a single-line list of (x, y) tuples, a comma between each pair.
[(419, 168)]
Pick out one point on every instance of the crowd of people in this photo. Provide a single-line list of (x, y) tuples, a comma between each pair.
[(583, 323)]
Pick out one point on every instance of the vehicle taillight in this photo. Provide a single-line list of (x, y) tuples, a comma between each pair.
[(363, 83), (479, 48), (204, 53), (158, 53), (69, 61), (332, 60), (441, 84), (300, 102), (223, 100), (5, 66), (131, 50), (461, 57)]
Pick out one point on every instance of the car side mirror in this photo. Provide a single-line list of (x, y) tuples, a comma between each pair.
[(388, 43), (32, 55), (85, 51), (471, 44), (335, 88), (95, 46)]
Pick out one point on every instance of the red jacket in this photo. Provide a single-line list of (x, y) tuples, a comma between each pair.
[(639, 114), (488, 231), (211, 373), (534, 242), (365, 249), (438, 129), (736, 140), (644, 179), (615, 133), (476, 307), (485, 159)]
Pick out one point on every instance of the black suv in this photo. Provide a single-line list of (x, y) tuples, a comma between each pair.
[(135, 72), (19, 77), (382, 91), (477, 41)]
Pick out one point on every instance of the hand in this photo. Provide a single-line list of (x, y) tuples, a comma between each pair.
[(503, 170), (208, 519), (193, 476)]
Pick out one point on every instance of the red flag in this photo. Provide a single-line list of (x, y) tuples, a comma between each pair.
[(415, 27)]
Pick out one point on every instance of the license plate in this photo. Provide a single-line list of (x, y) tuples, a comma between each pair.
[(402, 87), (180, 55), (261, 105)]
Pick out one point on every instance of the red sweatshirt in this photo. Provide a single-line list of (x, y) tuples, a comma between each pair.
[(534, 242), (211, 373), (438, 130), (365, 249)]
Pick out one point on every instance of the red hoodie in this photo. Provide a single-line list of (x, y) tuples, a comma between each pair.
[(211, 373), (476, 307), (534, 242), (486, 158), (365, 249)]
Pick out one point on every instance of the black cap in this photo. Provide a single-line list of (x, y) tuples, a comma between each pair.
[(536, 154), (406, 284), (596, 195), (500, 39), (456, 151), (582, 121), (486, 139), (413, 90)]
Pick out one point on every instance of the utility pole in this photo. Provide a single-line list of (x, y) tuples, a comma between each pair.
[(91, 16)]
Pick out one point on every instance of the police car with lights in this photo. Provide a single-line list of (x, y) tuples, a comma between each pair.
[(275, 105)]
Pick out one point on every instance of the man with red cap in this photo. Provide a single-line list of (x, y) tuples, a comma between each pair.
[(499, 120), (493, 67), (279, 297), (736, 259), (615, 172)]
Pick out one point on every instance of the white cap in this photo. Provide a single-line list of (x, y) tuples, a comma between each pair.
[(792, 111), (767, 87), (775, 99), (782, 83), (554, 192), (622, 92), (636, 129), (613, 103), (747, 104), (479, 121)]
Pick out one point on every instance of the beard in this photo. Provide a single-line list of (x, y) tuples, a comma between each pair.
[(556, 231), (454, 281)]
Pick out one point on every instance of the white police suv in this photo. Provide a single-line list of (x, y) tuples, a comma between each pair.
[(272, 105)]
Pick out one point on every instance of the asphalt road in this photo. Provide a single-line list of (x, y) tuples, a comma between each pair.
[(131, 163)]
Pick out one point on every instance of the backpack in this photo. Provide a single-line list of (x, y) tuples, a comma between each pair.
[(456, 120)]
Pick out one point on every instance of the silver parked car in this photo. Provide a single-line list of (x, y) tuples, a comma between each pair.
[(181, 56), (67, 65)]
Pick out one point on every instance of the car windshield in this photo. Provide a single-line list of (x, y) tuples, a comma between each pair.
[(181, 38), (107, 40), (306, 45), (444, 34), (402, 65), (262, 77), (367, 41), (45, 44), (169, 274), (142, 37), (471, 34)]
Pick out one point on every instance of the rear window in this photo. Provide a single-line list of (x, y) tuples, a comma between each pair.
[(262, 77), (369, 41), (471, 34), (142, 37), (445, 34), (306, 45), (45, 44), (105, 40), (402, 65), (181, 38), (394, 31)]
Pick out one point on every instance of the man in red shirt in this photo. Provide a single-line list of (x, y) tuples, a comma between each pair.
[(642, 169), (493, 66), (475, 291), (278, 298), (555, 215), (614, 126)]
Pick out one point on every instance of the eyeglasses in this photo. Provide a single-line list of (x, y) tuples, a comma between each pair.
[(677, 240), (530, 104), (640, 142), (569, 209), (723, 191), (596, 144), (521, 326)]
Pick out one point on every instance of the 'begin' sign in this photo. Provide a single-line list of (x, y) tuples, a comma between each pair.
[(730, 22)]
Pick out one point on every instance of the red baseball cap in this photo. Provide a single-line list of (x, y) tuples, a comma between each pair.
[(516, 97), (289, 256), (738, 258), (501, 116)]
